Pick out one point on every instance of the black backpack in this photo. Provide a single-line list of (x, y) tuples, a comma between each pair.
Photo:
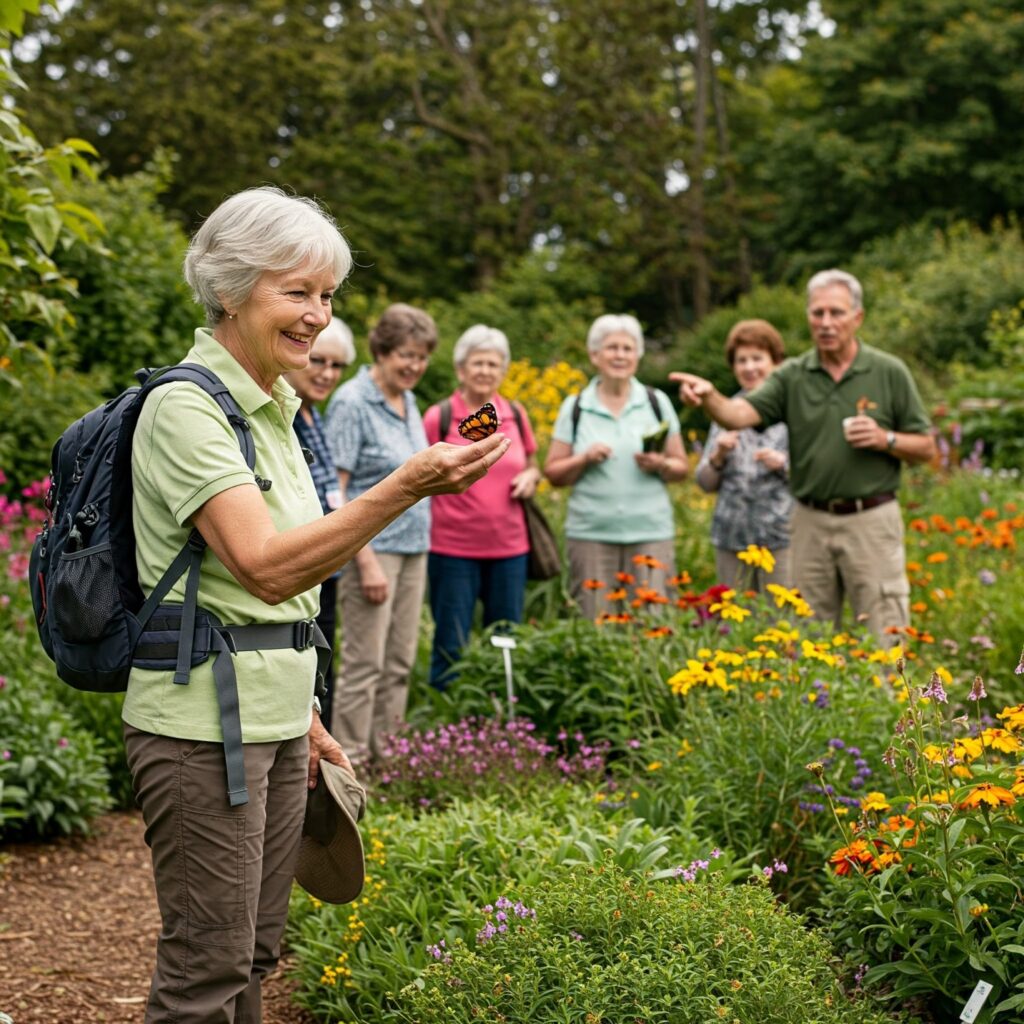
[(93, 619), (89, 607)]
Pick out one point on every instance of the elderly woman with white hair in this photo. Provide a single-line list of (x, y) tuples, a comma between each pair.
[(221, 765), (478, 541), (617, 444), (333, 351)]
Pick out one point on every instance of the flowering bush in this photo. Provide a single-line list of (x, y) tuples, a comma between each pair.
[(541, 390), (428, 875), (928, 881), (599, 945), (433, 767)]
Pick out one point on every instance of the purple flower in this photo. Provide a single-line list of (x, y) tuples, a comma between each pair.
[(889, 757), (836, 744), (987, 577), (1019, 670), (934, 690), (3, 682), (977, 689), (62, 742), (6, 755)]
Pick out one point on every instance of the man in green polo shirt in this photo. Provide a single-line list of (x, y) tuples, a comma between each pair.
[(854, 414)]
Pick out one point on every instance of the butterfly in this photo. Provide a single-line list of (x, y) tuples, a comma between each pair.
[(479, 424)]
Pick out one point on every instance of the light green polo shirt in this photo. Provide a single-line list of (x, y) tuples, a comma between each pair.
[(616, 502), (183, 453), (802, 394)]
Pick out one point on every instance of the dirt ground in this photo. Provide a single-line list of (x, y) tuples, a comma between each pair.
[(78, 923)]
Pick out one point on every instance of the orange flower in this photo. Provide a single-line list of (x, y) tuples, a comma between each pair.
[(937, 556), (857, 855), (913, 566), (626, 577), (607, 617), (593, 584), (919, 606), (648, 562), (919, 525), (989, 794), (682, 580), (647, 595), (989, 513), (616, 595), (658, 632)]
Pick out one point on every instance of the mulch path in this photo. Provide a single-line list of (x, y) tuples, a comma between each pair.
[(78, 926)]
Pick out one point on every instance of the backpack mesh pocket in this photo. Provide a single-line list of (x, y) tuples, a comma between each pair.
[(84, 597)]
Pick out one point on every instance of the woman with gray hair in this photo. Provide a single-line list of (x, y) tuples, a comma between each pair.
[(333, 351), (617, 444), (478, 542), (221, 766)]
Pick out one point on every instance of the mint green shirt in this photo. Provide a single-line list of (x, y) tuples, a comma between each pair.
[(183, 453), (822, 464), (615, 501)]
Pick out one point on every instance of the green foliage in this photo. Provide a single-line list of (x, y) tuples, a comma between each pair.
[(427, 877), (52, 777), (133, 307), (927, 883), (38, 226), (36, 414), (599, 945), (906, 112)]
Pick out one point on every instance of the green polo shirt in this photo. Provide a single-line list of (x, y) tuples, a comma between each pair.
[(802, 394), (616, 502), (183, 453)]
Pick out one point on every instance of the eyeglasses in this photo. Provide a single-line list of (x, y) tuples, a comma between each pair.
[(408, 355), (319, 362)]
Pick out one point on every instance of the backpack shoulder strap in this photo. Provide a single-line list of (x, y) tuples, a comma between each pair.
[(576, 412), (445, 409), (208, 382), (652, 397), (517, 412)]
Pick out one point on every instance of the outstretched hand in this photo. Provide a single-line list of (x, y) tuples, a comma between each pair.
[(692, 389), (451, 468)]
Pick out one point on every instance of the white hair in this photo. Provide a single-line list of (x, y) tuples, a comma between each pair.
[(340, 332), (481, 338), (255, 231), (614, 323), (826, 278)]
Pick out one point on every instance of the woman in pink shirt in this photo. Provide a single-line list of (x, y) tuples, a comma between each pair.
[(478, 541)]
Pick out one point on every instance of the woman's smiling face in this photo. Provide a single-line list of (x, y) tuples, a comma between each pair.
[(280, 320)]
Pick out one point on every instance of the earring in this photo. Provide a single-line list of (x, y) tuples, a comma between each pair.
[(231, 316)]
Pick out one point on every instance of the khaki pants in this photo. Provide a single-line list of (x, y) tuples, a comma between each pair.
[(739, 576), (595, 560), (222, 873), (859, 556), (378, 649)]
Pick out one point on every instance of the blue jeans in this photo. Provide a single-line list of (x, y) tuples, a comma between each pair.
[(455, 585)]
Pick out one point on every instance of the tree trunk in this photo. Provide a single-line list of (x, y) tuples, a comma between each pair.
[(698, 221)]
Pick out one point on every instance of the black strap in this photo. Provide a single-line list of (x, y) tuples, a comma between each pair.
[(652, 397)]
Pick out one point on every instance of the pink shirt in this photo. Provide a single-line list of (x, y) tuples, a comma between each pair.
[(485, 521)]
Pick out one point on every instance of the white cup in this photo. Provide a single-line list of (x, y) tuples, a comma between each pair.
[(847, 422)]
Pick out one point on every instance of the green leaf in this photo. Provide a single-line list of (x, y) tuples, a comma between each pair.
[(45, 223)]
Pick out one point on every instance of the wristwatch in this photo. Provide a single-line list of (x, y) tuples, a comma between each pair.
[(890, 440)]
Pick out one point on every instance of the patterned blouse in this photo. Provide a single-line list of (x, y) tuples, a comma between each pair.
[(754, 503)]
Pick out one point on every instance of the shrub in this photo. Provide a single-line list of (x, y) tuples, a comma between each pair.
[(599, 945), (431, 768), (52, 778), (927, 882), (426, 877)]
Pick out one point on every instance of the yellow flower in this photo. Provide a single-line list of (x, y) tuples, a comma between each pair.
[(875, 801), (784, 596), (699, 673), (817, 651), (1001, 740), (978, 909), (654, 766), (967, 748), (759, 557), (1012, 717), (685, 747), (988, 794), (934, 753), (944, 675)]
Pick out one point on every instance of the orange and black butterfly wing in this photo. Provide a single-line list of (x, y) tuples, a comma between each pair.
[(479, 424)]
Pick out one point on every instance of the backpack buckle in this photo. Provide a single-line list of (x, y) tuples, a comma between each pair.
[(304, 634)]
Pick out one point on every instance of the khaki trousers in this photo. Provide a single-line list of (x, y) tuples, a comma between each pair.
[(739, 576), (378, 649), (595, 560), (860, 557), (223, 874)]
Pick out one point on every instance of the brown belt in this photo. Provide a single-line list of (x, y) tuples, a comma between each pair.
[(847, 506)]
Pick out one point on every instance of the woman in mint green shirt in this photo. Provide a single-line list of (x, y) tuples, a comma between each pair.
[(265, 266), (619, 524)]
